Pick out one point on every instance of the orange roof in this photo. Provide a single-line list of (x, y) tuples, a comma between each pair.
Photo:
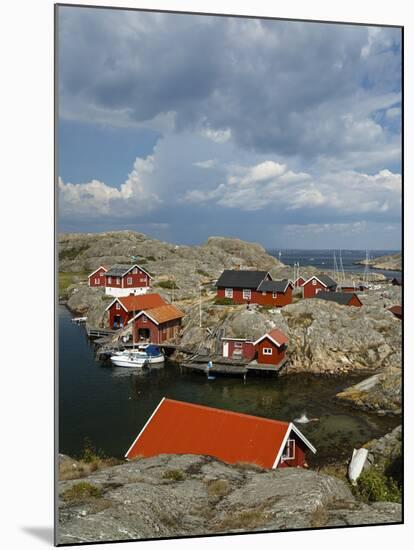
[(164, 313), (176, 427), (142, 301)]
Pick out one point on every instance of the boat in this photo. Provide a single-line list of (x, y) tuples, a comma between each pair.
[(138, 358)]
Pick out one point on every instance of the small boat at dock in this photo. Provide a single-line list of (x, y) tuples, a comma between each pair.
[(144, 356), (79, 320)]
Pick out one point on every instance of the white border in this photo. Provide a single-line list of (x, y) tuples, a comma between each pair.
[(145, 426)]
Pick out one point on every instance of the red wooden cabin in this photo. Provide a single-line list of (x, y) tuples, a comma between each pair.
[(157, 325), (238, 348), (318, 283), (299, 281), (271, 347), (123, 280), (122, 309), (253, 287), (176, 427), (97, 277)]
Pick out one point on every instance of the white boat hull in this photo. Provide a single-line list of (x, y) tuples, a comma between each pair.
[(135, 360)]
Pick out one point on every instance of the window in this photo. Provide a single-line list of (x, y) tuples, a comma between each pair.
[(274, 294), (247, 294), (317, 290), (238, 344), (267, 351), (289, 452), (109, 280), (129, 280), (144, 319), (143, 279), (97, 280), (263, 293), (135, 270), (228, 293), (118, 280), (314, 282), (118, 305)]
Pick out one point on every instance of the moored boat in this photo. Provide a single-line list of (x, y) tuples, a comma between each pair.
[(138, 358)]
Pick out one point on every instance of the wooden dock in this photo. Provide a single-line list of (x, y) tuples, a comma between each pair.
[(225, 365), (94, 332)]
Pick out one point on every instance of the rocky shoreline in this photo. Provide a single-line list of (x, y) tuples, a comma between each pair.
[(392, 262), (182, 495)]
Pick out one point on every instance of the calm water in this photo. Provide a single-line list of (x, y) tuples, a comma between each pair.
[(323, 259), (109, 406)]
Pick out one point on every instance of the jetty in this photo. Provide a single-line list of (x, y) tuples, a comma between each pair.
[(230, 366), (94, 332)]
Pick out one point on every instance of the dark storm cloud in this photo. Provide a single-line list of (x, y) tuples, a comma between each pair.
[(284, 87)]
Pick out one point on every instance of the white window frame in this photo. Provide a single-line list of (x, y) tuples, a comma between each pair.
[(267, 351), (317, 290), (228, 292), (109, 280), (263, 293), (290, 446), (117, 305), (97, 280), (247, 294), (274, 294), (144, 319), (135, 270), (118, 280), (238, 345), (129, 280), (143, 279), (314, 281)]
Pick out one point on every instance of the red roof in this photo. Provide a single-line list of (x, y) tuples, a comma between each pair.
[(275, 335), (397, 310), (142, 301), (176, 427)]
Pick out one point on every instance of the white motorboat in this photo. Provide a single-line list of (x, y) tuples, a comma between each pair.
[(138, 358)]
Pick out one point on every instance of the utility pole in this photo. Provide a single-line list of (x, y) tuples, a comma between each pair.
[(199, 288)]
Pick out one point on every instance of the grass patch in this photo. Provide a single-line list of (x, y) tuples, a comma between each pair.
[(247, 520), (265, 309), (167, 284), (218, 488), (374, 486), (223, 302), (79, 492), (72, 253), (174, 475), (67, 278)]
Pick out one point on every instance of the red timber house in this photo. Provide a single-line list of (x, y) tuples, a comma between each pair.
[(177, 427), (97, 277), (271, 348), (318, 283), (156, 325), (299, 281), (254, 287), (341, 298), (123, 280), (238, 348), (123, 309)]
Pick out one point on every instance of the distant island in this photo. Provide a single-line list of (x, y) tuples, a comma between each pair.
[(393, 262)]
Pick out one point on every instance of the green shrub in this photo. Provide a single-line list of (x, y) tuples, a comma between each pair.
[(151, 259), (218, 488), (72, 253), (203, 273), (174, 475), (82, 491), (374, 486), (223, 301)]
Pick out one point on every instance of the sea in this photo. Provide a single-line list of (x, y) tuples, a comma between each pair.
[(324, 259), (106, 407)]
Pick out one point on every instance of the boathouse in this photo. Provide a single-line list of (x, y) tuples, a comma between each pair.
[(123, 280), (177, 427), (97, 277), (123, 309), (253, 287), (238, 348), (271, 348), (156, 325), (341, 298), (318, 283)]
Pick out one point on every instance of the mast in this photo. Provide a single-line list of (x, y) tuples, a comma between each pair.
[(341, 265), (336, 273)]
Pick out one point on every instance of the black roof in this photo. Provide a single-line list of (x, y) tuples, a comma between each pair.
[(273, 286), (326, 280), (235, 278), (118, 270), (341, 298)]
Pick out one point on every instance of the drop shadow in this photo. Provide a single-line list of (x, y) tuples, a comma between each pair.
[(43, 533)]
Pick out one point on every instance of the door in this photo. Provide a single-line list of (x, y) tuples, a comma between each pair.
[(225, 349)]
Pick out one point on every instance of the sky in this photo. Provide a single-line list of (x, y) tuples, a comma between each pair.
[(183, 127)]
